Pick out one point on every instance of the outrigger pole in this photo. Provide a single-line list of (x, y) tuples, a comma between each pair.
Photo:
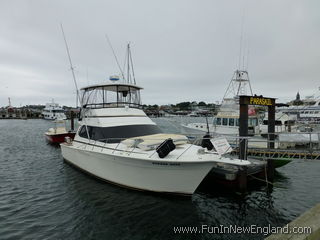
[(74, 77), (131, 62), (71, 67), (115, 56)]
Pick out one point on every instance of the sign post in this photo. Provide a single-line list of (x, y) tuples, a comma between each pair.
[(243, 125), (243, 129), (243, 121)]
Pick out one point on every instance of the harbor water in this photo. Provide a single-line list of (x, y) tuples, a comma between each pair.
[(42, 197)]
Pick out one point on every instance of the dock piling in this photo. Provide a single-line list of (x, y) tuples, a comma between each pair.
[(242, 180), (72, 120), (270, 170)]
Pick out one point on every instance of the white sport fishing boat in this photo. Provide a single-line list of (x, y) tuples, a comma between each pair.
[(226, 122), (117, 142)]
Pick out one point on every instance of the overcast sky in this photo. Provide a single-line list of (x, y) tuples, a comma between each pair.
[(182, 50)]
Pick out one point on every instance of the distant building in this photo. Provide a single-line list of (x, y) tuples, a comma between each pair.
[(298, 100)]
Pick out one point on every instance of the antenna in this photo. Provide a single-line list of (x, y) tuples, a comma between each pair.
[(71, 67), (247, 68), (87, 77), (243, 57), (241, 36), (115, 56)]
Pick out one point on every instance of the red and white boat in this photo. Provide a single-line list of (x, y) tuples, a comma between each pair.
[(57, 134)]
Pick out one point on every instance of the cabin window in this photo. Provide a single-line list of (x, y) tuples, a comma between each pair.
[(83, 132), (231, 121), (237, 121), (289, 122), (278, 123), (119, 133), (111, 96), (253, 122), (316, 112), (225, 121), (218, 121)]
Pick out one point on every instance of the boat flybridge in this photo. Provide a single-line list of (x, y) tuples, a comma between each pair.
[(53, 111), (226, 122), (117, 142)]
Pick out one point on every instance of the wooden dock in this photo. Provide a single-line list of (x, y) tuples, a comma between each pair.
[(305, 227), (285, 154)]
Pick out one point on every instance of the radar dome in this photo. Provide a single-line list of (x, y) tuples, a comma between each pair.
[(114, 78)]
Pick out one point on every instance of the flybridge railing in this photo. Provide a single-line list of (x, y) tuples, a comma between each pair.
[(111, 105)]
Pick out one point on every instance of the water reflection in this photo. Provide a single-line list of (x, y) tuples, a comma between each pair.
[(43, 198)]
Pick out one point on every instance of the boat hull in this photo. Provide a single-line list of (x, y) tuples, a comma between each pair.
[(59, 138), (142, 174)]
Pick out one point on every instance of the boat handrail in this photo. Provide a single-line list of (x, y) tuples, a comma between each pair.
[(134, 146), (312, 147), (235, 140)]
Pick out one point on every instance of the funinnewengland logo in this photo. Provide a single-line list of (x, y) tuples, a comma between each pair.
[(234, 229)]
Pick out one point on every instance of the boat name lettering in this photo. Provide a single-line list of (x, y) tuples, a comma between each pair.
[(260, 101), (166, 164)]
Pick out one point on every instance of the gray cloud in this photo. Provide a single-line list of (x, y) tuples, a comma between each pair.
[(183, 50)]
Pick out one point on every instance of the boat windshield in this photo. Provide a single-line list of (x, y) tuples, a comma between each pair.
[(277, 122), (111, 95), (253, 122), (234, 121), (118, 133)]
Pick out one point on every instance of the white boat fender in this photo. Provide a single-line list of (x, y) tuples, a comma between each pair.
[(68, 140), (165, 148), (51, 130), (206, 143)]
